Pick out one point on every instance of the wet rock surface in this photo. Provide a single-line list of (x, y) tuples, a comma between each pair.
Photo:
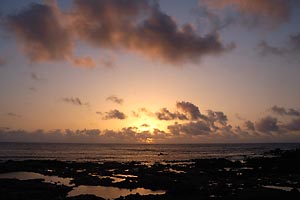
[(194, 179), (13, 189)]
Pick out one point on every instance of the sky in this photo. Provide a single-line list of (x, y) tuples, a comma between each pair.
[(150, 71)]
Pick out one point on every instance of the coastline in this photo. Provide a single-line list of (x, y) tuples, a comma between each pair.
[(214, 178)]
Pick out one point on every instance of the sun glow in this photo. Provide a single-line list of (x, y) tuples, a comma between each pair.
[(147, 124), (145, 127)]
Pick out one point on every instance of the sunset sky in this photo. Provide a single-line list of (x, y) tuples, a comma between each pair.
[(138, 71)]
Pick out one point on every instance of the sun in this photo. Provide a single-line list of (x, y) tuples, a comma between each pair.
[(145, 127), (149, 141), (146, 124)]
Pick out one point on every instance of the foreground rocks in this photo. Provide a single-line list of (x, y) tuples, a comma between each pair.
[(194, 179), (12, 189)]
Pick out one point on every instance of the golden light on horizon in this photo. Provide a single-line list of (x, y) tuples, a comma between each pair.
[(147, 124)]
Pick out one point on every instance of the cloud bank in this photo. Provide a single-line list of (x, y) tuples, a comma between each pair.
[(212, 126)]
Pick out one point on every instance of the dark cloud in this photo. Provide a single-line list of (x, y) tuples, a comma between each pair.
[(47, 34), (294, 42), (75, 101), (35, 77), (165, 114), (115, 99), (267, 124), (114, 114), (267, 12), (140, 26), (216, 117), (190, 109), (293, 125), (283, 111), (191, 128), (292, 47), (38, 27), (11, 114), (249, 125)]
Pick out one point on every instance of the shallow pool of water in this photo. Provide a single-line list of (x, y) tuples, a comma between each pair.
[(285, 188), (32, 175), (110, 192)]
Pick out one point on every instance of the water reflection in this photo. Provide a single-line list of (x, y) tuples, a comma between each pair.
[(32, 175), (110, 192), (285, 188)]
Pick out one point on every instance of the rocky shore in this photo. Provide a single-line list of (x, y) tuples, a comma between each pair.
[(274, 176)]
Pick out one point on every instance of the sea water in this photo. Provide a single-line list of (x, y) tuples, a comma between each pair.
[(134, 152)]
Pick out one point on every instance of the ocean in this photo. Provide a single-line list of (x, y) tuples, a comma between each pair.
[(134, 152)]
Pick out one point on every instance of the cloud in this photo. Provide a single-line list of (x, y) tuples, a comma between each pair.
[(107, 62), (267, 49), (115, 99), (165, 114), (190, 109), (249, 125), (219, 117), (56, 136), (293, 125), (75, 101), (2, 62), (44, 38), (145, 125), (85, 62), (35, 77), (10, 114), (32, 89), (191, 128), (292, 47), (114, 114), (266, 12), (213, 127), (142, 111), (48, 34), (267, 124), (139, 26), (294, 41), (283, 111)]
